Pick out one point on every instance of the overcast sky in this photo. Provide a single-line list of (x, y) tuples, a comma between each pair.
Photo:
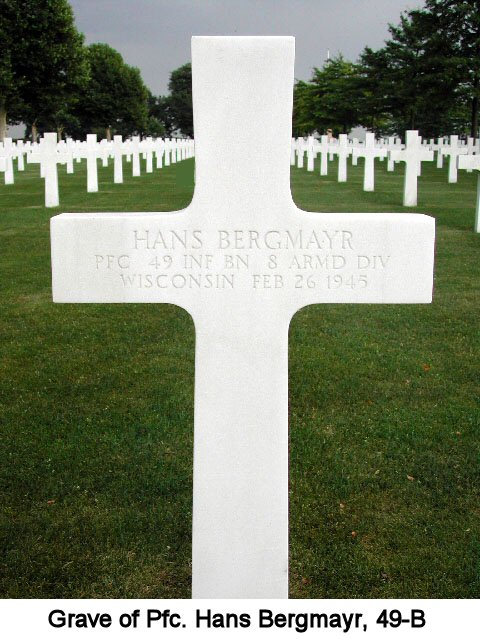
[(154, 35)]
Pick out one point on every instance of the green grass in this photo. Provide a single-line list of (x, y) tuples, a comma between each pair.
[(97, 414)]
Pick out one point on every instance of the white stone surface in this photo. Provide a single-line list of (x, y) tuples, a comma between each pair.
[(242, 259)]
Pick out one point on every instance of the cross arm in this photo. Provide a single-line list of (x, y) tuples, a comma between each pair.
[(123, 257), (300, 258), (362, 258)]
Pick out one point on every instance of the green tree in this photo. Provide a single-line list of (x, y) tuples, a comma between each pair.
[(154, 126), (160, 110), (303, 117), (329, 100), (456, 33), (42, 63), (426, 76), (9, 89), (375, 92), (178, 105), (420, 85), (115, 98)]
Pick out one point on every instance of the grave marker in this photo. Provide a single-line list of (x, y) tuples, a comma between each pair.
[(369, 151), (343, 150), (92, 169), (135, 149), (311, 153), (242, 259), (117, 159), (323, 149), (413, 155), (473, 162), (69, 148), (20, 156), (7, 153), (148, 146), (453, 151), (159, 147), (300, 152), (47, 156)]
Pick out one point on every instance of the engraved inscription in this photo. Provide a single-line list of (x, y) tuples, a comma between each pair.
[(224, 259)]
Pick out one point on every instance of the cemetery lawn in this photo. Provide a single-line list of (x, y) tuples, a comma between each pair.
[(96, 412)]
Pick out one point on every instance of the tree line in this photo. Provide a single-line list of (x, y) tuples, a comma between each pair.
[(50, 80), (426, 77)]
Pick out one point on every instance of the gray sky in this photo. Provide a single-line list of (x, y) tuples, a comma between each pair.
[(154, 35)]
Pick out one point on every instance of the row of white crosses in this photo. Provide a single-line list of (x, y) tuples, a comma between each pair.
[(49, 154), (413, 153)]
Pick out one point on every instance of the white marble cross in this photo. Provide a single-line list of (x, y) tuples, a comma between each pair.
[(20, 155), (104, 151), (159, 145), (413, 155), (135, 150), (166, 151), (117, 159), (323, 148), (453, 151), (343, 151), (46, 154), (148, 148), (473, 162), (393, 144), (354, 143), (369, 151), (311, 153), (300, 151), (92, 167), (438, 149), (69, 150), (242, 259)]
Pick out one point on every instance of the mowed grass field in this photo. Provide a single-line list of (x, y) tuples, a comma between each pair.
[(96, 414)]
